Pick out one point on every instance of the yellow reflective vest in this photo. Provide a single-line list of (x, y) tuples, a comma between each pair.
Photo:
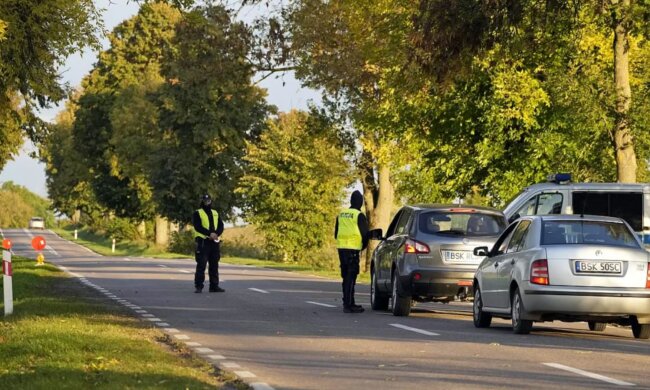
[(348, 235), (205, 222)]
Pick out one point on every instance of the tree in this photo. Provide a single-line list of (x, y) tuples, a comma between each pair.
[(293, 185), (35, 38), (451, 37), (209, 108)]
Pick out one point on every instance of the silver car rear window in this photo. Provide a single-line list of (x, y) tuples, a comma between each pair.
[(473, 224), (587, 232)]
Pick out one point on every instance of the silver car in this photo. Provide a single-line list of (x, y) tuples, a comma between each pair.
[(568, 268), (37, 223), (427, 254)]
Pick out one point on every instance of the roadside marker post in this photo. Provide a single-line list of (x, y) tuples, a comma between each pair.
[(75, 234), (113, 247), (7, 276)]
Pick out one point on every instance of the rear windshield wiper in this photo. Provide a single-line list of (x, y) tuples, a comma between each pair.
[(453, 231)]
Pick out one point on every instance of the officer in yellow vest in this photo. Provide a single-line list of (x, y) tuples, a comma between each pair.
[(351, 233), (207, 229)]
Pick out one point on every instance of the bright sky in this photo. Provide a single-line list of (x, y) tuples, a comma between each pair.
[(284, 92)]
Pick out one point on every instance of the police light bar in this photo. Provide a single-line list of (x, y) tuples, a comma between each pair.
[(559, 178)]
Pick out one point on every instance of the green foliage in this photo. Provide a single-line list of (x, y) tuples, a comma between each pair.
[(182, 241), (35, 39), (293, 185), (18, 205)]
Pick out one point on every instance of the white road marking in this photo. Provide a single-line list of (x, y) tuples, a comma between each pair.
[(230, 365), (49, 248), (127, 259), (185, 271), (147, 315), (416, 330), (153, 319), (141, 311), (136, 308), (163, 266), (258, 290), (261, 386), (216, 357), (193, 344), (162, 324), (245, 374), (171, 330), (182, 336), (589, 374), (204, 350), (320, 304)]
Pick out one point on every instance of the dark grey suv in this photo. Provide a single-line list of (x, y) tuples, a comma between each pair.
[(427, 254)]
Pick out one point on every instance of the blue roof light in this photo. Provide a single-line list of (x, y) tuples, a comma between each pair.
[(559, 178)]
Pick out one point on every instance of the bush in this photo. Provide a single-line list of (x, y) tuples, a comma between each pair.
[(182, 242)]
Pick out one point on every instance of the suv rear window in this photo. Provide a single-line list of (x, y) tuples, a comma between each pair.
[(587, 232), (461, 223)]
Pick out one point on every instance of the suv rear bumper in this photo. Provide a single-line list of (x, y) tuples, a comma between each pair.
[(437, 283)]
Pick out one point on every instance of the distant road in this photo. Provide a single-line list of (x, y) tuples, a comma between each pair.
[(283, 330)]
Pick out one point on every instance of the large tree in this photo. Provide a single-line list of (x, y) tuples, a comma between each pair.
[(35, 39), (293, 185)]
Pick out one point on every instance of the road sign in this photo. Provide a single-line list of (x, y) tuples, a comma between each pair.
[(6, 244), (38, 243)]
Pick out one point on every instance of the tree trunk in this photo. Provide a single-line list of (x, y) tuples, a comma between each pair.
[(622, 137), (162, 231), (142, 230), (378, 197)]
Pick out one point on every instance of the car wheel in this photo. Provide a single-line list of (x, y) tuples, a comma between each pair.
[(481, 319), (519, 325), (401, 305), (378, 301), (640, 331), (597, 326)]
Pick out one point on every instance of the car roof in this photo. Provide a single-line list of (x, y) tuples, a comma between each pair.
[(590, 186), (447, 207), (575, 217)]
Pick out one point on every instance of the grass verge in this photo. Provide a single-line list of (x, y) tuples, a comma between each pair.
[(102, 245), (60, 337)]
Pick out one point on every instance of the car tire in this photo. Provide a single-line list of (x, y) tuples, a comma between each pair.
[(378, 301), (519, 325), (597, 326), (481, 318), (401, 306), (640, 331)]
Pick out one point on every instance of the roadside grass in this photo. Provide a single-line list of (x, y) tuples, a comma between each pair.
[(64, 336), (102, 245)]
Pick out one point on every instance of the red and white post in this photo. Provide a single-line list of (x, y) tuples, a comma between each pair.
[(7, 276)]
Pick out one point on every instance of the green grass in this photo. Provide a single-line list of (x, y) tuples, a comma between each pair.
[(63, 336), (102, 245)]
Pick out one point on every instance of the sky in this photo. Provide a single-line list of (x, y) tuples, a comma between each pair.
[(284, 92)]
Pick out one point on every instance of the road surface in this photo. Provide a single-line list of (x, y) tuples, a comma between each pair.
[(283, 330)]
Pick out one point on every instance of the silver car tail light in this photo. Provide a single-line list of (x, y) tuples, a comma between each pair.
[(539, 272), (412, 246)]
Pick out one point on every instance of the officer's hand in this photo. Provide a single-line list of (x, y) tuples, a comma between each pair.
[(214, 236)]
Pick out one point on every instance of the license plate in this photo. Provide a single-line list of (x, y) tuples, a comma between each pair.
[(459, 256), (599, 267)]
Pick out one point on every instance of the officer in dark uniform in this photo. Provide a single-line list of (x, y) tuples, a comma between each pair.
[(207, 229), (351, 233)]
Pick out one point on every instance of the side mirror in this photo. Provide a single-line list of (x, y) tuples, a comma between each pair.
[(376, 234), (514, 218), (481, 251)]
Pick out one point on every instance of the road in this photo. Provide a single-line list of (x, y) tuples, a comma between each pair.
[(283, 330)]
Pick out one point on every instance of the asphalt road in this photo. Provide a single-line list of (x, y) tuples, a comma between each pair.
[(282, 330)]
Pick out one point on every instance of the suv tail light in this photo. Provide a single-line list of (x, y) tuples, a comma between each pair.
[(412, 246), (647, 278), (539, 272)]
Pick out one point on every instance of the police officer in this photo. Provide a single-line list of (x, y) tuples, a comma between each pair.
[(351, 233), (207, 229)]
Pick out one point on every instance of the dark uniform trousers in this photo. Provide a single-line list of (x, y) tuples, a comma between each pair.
[(349, 259), (207, 253)]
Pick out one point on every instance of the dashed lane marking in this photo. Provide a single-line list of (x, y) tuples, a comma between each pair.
[(320, 304), (259, 290), (245, 374), (216, 357), (416, 330), (162, 266), (589, 374), (185, 271), (204, 350), (182, 337), (229, 365), (162, 324), (193, 344)]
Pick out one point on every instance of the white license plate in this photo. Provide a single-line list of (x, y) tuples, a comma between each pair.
[(599, 267), (459, 257)]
